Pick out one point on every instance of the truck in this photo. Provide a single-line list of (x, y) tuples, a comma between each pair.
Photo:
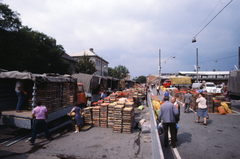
[(233, 86), (167, 83), (58, 93)]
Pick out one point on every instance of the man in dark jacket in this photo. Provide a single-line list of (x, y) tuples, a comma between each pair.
[(167, 114), (187, 100)]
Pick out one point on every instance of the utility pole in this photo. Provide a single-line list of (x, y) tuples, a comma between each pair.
[(159, 67), (197, 64), (239, 58)]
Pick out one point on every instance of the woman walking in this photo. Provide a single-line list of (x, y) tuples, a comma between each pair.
[(77, 119), (202, 109)]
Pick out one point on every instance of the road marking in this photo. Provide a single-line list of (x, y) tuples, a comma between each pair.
[(175, 151), (235, 112)]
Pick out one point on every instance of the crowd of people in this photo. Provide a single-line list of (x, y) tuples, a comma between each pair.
[(169, 113)]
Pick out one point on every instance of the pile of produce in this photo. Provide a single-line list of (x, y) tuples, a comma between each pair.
[(156, 107)]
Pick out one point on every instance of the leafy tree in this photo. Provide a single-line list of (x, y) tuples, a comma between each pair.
[(141, 79), (118, 72), (85, 65), (9, 20), (23, 49), (110, 71)]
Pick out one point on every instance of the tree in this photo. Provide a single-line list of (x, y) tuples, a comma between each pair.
[(118, 72), (141, 79), (21, 48), (85, 65), (9, 20)]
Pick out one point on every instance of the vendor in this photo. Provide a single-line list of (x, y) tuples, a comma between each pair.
[(115, 93), (123, 100)]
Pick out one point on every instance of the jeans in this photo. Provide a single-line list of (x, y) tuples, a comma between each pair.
[(37, 124), (20, 96)]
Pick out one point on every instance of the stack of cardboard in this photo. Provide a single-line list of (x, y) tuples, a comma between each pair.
[(95, 116), (111, 114), (104, 114), (118, 118), (128, 118), (88, 115)]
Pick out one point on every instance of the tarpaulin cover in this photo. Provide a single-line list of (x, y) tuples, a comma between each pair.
[(35, 77), (180, 80), (234, 82), (85, 79)]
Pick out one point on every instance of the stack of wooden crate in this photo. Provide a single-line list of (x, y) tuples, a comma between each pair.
[(118, 118), (128, 118), (104, 115), (129, 104), (216, 104), (96, 116), (113, 98), (88, 115), (194, 105), (107, 100), (111, 114), (209, 99)]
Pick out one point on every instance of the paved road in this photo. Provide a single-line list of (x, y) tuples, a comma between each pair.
[(219, 139), (95, 143)]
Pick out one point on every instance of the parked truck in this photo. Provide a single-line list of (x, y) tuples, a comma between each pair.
[(57, 92), (233, 86)]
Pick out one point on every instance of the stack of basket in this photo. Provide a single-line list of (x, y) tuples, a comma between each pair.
[(104, 114), (95, 116), (88, 115), (111, 114), (118, 118), (128, 119)]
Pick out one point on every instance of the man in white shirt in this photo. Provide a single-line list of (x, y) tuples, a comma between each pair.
[(20, 93)]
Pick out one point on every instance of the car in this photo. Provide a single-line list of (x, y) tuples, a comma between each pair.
[(219, 89), (196, 85), (210, 87)]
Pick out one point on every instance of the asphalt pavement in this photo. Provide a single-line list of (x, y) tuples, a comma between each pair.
[(219, 139), (96, 143)]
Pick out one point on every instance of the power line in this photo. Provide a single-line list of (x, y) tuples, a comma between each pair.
[(187, 42), (213, 18)]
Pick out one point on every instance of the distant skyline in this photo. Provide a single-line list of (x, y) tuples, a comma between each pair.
[(130, 33)]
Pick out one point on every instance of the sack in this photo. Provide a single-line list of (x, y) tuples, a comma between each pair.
[(177, 126), (146, 128), (221, 110), (160, 129)]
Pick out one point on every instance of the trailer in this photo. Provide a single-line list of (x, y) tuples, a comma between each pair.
[(56, 92)]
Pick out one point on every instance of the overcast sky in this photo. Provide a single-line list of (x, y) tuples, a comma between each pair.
[(131, 32)]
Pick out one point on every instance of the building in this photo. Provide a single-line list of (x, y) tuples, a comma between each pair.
[(218, 77), (72, 62), (100, 64)]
